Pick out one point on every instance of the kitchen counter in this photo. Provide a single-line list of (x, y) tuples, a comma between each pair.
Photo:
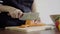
[(36, 32)]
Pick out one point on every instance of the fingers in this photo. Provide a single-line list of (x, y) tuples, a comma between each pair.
[(36, 21), (12, 14), (20, 15), (16, 14)]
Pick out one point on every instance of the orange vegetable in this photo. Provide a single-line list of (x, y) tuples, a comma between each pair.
[(30, 23)]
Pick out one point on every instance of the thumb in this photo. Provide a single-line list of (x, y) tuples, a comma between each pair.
[(20, 15)]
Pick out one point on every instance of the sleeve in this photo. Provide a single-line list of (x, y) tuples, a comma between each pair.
[(21, 6), (18, 5)]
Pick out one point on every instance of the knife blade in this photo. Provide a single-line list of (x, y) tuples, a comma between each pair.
[(30, 16)]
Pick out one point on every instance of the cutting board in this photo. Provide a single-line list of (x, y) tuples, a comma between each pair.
[(29, 29)]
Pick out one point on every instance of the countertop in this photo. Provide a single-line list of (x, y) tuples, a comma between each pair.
[(36, 32)]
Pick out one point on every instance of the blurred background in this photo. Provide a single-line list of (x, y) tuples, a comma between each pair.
[(47, 8)]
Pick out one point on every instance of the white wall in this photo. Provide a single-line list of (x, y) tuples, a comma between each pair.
[(46, 8)]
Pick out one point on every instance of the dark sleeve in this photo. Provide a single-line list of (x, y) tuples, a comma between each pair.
[(21, 6), (18, 5)]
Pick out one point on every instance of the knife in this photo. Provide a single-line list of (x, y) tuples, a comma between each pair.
[(30, 16)]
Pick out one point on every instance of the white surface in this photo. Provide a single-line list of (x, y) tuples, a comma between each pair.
[(29, 29), (47, 8)]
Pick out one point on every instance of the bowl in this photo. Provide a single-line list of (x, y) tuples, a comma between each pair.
[(56, 19)]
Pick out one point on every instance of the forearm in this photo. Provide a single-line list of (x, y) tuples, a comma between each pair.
[(4, 8)]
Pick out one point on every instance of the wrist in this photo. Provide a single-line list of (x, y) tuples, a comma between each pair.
[(4, 8)]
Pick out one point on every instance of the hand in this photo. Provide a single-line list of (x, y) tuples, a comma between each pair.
[(36, 21), (15, 13)]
